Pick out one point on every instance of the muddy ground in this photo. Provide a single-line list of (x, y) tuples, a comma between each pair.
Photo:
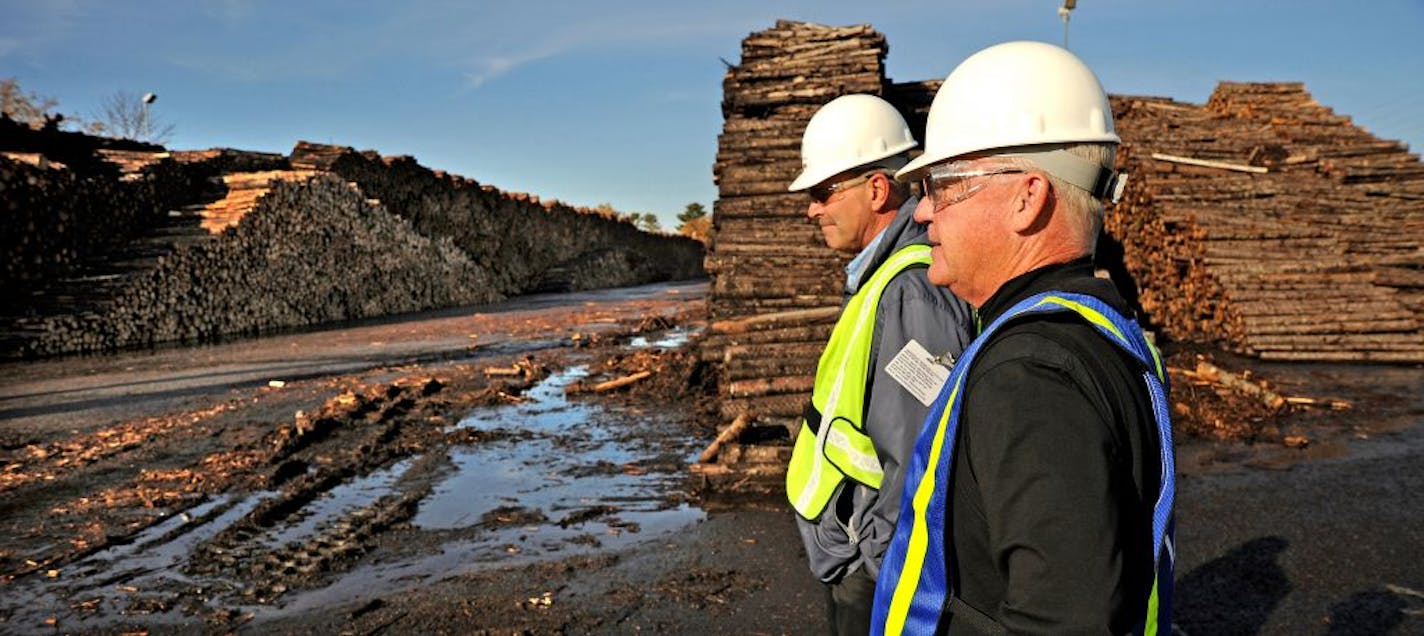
[(460, 472)]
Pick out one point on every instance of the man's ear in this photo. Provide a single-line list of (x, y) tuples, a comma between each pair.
[(1032, 205), (880, 193)]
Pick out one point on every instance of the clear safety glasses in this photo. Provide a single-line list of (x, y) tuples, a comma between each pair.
[(822, 193), (955, 182)]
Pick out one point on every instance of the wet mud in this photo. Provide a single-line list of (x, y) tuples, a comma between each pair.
[(212, 519)]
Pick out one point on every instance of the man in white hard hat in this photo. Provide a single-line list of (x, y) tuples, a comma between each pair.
[(884, 363), (1042, 487)]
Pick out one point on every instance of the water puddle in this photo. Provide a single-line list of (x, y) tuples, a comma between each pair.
[(670, 339), (545, 411), (562, 458), (564, 478)]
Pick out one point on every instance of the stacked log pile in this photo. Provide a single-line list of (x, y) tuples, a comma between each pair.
[(131, 163), (77, 151), (227, 160), (776, 287), (243, 191), (1266, 223)]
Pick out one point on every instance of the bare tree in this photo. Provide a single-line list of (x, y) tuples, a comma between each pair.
[(125, 114), (22, 107)]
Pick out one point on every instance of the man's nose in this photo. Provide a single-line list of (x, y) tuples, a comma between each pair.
[(924, 210)]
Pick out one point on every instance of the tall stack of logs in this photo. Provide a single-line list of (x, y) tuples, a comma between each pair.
[(62, 217), (776, 287), (1269, 225)]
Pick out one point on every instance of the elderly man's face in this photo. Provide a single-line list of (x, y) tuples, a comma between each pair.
[(842, 207), (963, 203)]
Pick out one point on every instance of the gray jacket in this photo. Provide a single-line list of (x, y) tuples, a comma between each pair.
[(910, 308)]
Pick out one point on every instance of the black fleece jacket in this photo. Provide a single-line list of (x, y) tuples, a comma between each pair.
[(1055, 473)]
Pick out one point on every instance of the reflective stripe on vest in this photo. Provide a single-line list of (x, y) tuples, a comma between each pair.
[(832, 444), (912, 592)]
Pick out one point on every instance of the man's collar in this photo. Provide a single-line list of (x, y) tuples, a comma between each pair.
[(855, 269)]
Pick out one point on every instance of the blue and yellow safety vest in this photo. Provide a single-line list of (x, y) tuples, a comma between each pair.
[(912, 592), (832, 444)]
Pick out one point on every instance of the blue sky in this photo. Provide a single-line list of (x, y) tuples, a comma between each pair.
[(619, 101)]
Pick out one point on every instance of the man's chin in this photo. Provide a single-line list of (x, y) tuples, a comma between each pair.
[(938, 278)]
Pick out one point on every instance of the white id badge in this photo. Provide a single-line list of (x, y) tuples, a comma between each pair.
[(916, 370)]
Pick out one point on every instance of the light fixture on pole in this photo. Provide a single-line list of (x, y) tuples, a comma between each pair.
[(1063, 11), (148, 98)]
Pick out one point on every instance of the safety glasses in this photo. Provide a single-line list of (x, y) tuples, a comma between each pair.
[(955, 182), (822, 193)]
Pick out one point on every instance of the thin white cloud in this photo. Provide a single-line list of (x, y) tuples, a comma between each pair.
[(490, 68), (606, 30)]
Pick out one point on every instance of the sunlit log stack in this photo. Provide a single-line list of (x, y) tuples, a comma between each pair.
[(132, 162), (776, 288), (1272, 226), (243, 191)]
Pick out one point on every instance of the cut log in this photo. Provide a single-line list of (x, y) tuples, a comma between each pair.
[(728, 434), (1209, 164), (619, 383)]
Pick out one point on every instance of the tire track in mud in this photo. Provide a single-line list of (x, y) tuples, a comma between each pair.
[(220, 535), (351, 434)]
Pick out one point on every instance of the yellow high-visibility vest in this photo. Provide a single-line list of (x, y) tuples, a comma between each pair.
[(832, 445)]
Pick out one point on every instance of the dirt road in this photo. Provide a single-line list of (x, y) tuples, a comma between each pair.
[(456, 473), (95, 390)]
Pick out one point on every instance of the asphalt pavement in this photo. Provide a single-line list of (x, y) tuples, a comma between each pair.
[(1325, 546)]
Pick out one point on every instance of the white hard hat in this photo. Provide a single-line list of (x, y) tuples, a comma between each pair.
[(848, 132), (1013, 95)]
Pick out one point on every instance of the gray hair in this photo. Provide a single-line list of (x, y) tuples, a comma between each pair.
[(1085, 212)]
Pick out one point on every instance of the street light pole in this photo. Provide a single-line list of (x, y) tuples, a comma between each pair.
[(1063, 12), (148, 98)]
